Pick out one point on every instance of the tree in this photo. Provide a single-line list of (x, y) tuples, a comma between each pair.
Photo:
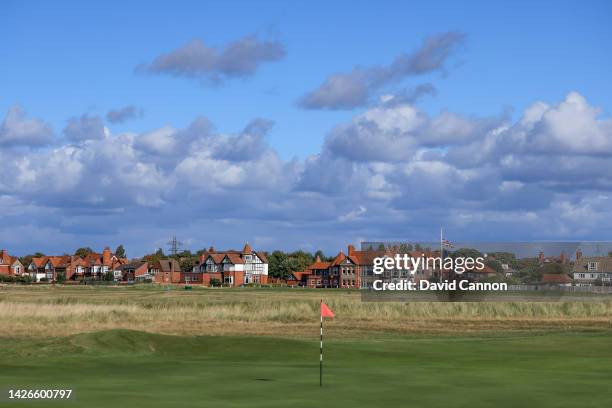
[(109, 276), (278, 264), (61, 277), (552, 268), (120, 252), (467, 253), (188, 263), (505, 258), (83, 252)]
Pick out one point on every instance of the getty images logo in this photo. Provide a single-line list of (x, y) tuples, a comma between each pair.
[(405, 262)]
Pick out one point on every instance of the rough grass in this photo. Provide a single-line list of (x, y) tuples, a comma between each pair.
[(60, 311)]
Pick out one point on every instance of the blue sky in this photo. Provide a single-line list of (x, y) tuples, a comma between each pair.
[(62, 60)]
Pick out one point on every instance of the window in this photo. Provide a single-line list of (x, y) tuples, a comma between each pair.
[(592, 266), (581, 275)]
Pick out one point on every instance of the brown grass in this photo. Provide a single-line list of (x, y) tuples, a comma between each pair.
[(58, 311)]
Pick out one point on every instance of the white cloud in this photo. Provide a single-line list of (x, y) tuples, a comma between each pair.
[(391, 170), (17, 130)]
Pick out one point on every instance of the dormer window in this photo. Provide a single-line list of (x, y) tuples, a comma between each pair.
[(592, 266)]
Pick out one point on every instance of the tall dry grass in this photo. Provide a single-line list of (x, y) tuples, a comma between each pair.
[(61, 311)]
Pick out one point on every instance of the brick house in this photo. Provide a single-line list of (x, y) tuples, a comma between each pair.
[(355, 269), (10, 265), (138, 270), (94, 266), (167, 271), (49, 268)]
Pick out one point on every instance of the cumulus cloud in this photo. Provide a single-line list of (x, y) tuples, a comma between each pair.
[(390, 172), (353, 89), (396, 132), (197, 60), (17, 130), (123, 114), (85, 127)]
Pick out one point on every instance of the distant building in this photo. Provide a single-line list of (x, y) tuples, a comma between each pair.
[(592, 270), (138, 270), (562, 259), (231, 268), (94, 266), (10, 265), (556, 279), (355, 269)]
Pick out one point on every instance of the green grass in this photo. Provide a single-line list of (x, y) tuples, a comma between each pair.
[(120, 368)]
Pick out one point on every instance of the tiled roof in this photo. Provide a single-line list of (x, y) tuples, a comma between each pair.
[(169, 265), (556, 278), (604, 264), (234, 258)]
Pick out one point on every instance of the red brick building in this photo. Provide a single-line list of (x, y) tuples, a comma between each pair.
[(10, 265)]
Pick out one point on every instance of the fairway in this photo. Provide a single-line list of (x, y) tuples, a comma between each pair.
[(133, 369)]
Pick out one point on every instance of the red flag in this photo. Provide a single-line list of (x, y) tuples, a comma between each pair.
[(326, 311)]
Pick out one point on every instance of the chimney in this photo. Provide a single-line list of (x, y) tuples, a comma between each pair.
[(318, 259), (203, 257), (562, 258), (578, 254), (211, 250), (541, 257), (351, 249), (3, 254), (106, 256)]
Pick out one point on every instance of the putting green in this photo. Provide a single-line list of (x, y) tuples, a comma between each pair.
[(133, 369)]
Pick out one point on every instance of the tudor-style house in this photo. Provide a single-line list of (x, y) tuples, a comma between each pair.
[(592, 270), (10, 265), (231, 268)]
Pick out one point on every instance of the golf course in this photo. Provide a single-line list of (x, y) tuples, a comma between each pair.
[(154, 347)]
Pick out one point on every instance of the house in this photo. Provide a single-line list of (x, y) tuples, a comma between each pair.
[(232, 268), (355, 269), (476, 275), (556, 279), (592, 270), (49, 268), (508, 271), (10, 265), (94, 266), (167, 271), (132, 271)]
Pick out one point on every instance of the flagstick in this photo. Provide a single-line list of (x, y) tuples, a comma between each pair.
[(321, 351)]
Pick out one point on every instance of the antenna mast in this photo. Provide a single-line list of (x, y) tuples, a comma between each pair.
[(174, 245)]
